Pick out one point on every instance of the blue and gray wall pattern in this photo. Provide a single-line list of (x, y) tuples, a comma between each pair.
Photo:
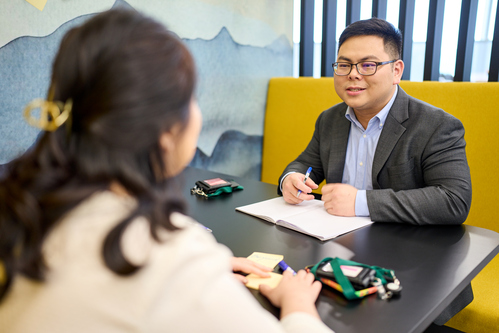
[(232, 86)]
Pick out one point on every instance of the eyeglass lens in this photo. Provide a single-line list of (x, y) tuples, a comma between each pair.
[(364, 68)]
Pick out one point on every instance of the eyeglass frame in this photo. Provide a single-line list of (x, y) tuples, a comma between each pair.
[(378, 63)]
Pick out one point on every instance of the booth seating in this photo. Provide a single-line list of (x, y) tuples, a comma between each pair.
[(293, 105)]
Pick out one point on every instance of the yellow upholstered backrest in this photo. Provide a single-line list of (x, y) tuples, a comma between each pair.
[(293, 105)]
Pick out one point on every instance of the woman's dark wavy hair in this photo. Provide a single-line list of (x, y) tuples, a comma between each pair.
[(130, 79), (392, 37)]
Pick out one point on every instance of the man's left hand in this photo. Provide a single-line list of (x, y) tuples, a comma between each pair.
[(339, 199)]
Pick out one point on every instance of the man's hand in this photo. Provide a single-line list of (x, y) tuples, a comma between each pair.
[(293, 183), (339, 199), (247, 266)]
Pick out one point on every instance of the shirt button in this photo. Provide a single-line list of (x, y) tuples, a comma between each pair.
[(361, 164), (364, 135)]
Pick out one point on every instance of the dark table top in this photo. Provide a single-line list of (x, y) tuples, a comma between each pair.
[(433, 263)]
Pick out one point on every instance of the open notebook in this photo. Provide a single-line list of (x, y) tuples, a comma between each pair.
[(308, 217)]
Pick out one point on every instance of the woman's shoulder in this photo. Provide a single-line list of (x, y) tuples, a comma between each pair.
[(80, 234), (189, 240)]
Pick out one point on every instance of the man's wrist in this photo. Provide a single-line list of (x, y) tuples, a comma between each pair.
[(283, 177), (361, 208)]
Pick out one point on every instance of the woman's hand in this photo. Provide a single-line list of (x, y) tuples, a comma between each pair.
[(295, 293), (245, 265)]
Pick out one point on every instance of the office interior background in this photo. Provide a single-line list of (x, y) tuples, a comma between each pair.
[(238, 46), (444, 40)]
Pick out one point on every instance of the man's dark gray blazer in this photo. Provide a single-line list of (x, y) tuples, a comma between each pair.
[(420, 173)]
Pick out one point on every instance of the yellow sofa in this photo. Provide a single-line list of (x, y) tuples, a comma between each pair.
[(293, 105)]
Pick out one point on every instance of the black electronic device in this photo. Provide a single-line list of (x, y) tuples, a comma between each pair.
[(359, 277)]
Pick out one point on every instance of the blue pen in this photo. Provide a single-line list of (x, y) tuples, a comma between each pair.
[(305, 179), (205, 227), (285, 267)]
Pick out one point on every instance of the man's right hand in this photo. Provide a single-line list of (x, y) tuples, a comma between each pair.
[(293, 183)]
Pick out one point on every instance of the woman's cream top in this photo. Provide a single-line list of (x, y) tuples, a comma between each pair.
[(185, 284)]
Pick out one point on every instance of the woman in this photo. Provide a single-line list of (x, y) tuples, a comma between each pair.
[(92, 232)]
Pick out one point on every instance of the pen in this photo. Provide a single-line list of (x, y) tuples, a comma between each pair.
[(305, 179), (205, 227), (335, 285), (359, 293), (285, 267)]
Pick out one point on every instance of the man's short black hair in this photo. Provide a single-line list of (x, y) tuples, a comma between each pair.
[(392, 37)]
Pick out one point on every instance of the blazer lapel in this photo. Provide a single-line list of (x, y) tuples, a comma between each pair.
[(392, 131), (340, 129)]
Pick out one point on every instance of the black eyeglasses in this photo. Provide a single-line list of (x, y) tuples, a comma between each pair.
[(366, 67)]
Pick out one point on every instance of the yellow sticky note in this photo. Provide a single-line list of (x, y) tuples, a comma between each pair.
[(39, 4), (254, 280), (266, 259)]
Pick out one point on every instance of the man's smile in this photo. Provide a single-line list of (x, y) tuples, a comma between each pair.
[(354, 90)]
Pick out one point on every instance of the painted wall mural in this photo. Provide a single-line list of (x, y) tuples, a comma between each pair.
[(237, 45)]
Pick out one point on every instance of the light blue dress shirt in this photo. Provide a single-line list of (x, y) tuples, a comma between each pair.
[(360, 154)]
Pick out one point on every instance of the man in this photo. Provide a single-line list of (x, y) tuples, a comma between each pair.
[(383, 153)]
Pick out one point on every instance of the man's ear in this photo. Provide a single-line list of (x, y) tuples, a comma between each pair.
[(398, 70)]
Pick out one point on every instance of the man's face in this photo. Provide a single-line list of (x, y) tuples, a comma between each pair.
[(367, 95)]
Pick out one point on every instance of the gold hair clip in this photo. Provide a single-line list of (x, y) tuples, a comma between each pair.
[(52, 114)]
